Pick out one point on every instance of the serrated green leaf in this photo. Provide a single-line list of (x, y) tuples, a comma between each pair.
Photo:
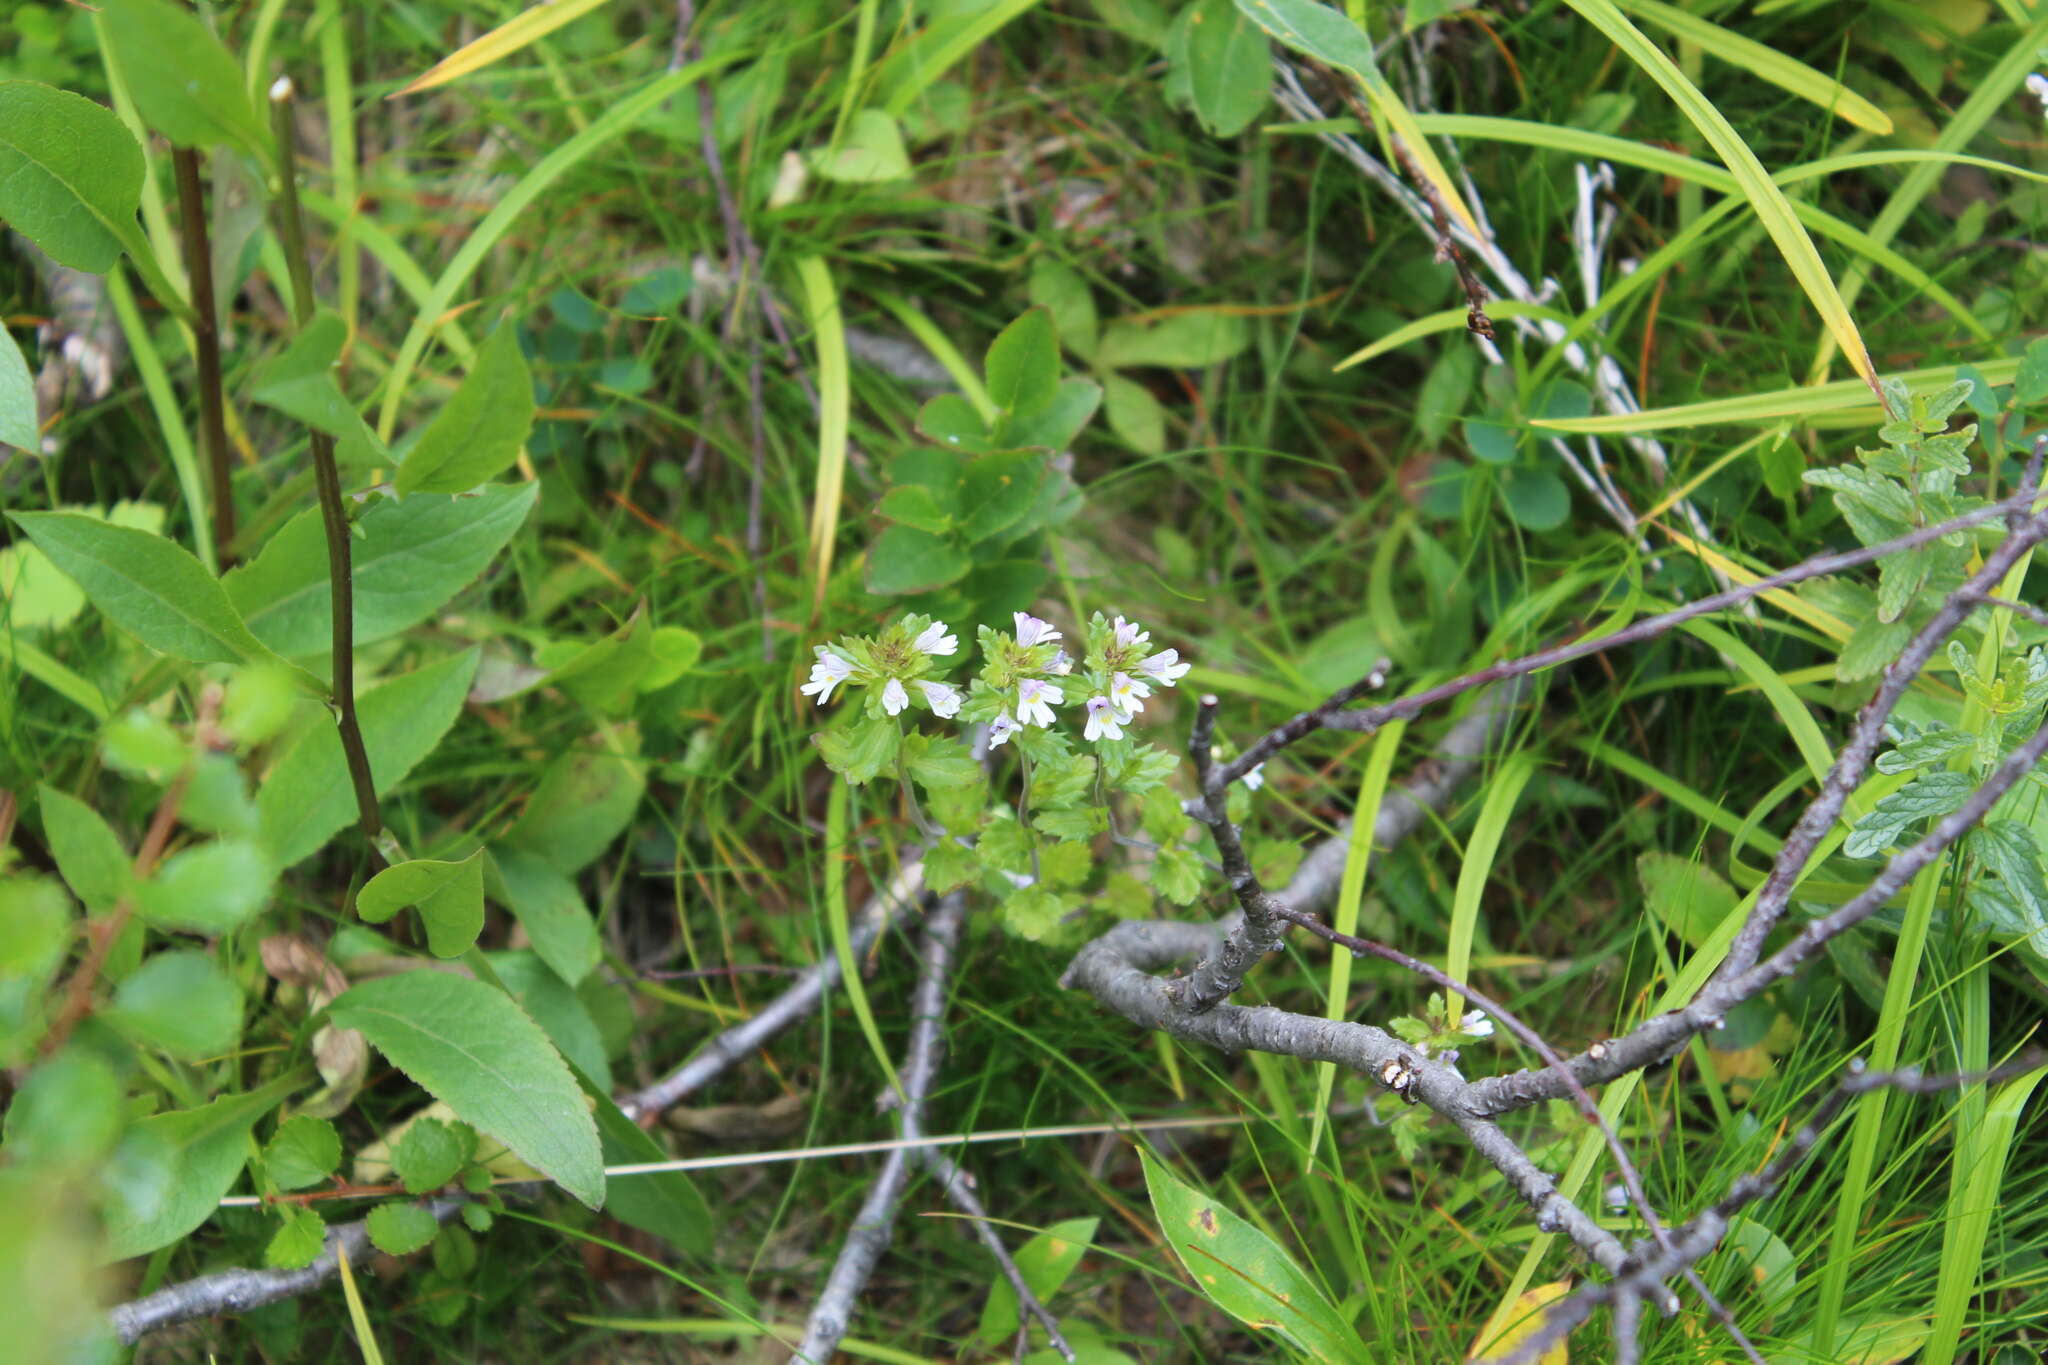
[(408, 560), (183, 81), (151, 588), (1023, 364), (429, 1153), (1177, 875), (1929, 796), (941, 762), (479, 430), (307, 797), (298, 1241), (88, 853), (948, 865), (859, 752), (449, 897), (559, 1009), (303, 1152), (181, 1002), (70, 176), (1929, 749), (1033, 912), (401, 1229), (300, 383), (471, 1047), (1244, 1272)]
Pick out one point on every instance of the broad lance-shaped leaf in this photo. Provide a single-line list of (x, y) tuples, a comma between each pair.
[(146, 585), (450, 898), (184, 82), (307, 797), (300, 383), (548, 907), (18, 425), (469, 1046), (70, 176), (1242, 1271), (409, 557), (480, 428), (170, 1171)]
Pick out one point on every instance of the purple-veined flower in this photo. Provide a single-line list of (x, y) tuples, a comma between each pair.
[(894, 698), (936, 640), (1032, 631), (1000, 729), (1034, 702), (943, 698), (1476, 1023), (1061, 665), (830, 670), (1128, 635), (1254, 779), (1165, 667), (1128, 693), (1105, 721)]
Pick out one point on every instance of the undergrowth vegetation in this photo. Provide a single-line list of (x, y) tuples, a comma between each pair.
[(749, 437)]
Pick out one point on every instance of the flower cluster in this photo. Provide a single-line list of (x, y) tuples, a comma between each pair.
[(1027, 675), (895, 664)]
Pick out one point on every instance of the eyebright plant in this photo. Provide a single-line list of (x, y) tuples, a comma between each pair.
[(1025, 818)]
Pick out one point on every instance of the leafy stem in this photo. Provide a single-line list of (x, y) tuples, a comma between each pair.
[(213, 435), (333, 516)]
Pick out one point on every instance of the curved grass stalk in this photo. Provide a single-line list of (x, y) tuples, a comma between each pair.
[(613, 123), (1765, 63), (828, 324), (1772, 208)]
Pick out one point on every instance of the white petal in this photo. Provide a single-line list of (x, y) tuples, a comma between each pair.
[(894, 698)]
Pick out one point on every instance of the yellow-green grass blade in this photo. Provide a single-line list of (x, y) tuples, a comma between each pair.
[(838, 854), (1765, 63), (937, 49), (1987, 96), (522, 29), (613, 123), (1842, 403), (1451, 319), (358, 1315), (934, 339), (835, 397), (398, 263), (1365, 815), (1791, 712), (1980, 1161), (53, 675), (1773, 210), (1672, 790), (1475, 870), (163, 402)]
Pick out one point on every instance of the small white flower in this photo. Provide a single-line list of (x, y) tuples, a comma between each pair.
[(1128, 693), (894, 698), (1020, 880), (1000, 729), (1165, 667), (1254, 779), (1128, 635), (1476, 1023), (1061, 665), (828, 672), (1031, 630), (936, 640), (942, 698), (1034, 702), (1105, 721)]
